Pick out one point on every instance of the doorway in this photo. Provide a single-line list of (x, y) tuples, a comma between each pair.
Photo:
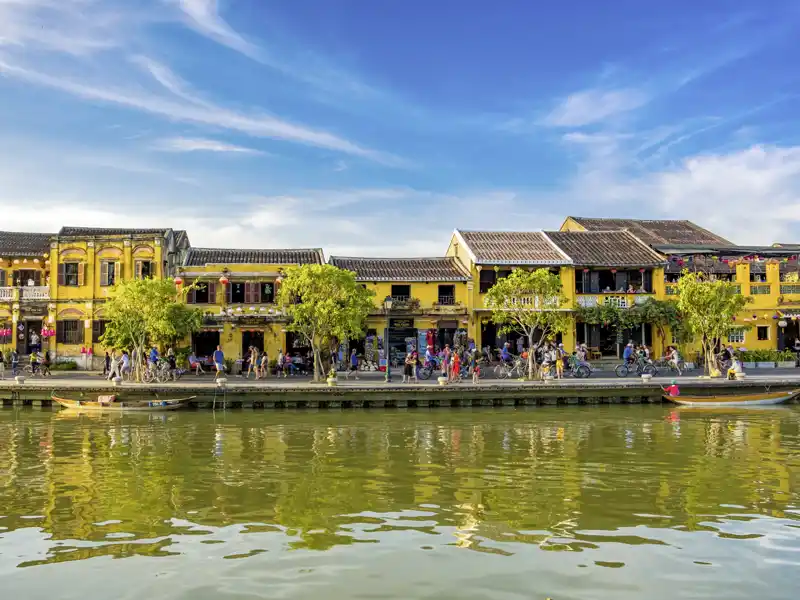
[(29, 338), (252, 338), (204, 343)]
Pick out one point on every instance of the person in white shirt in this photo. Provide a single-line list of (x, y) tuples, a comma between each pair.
[(675, 359)]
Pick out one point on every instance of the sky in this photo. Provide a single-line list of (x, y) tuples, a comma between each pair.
[(376, 128)]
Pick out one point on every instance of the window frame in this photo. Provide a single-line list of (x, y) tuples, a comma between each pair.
[(62, 332), (766, 330), (736, 335)]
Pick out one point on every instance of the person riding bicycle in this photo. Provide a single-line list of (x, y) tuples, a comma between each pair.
[(627, 354), (429, 360), (505, 353), (34, 362)]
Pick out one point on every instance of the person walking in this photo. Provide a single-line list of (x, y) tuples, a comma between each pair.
[(126, 365), (265, 364), (2, 366), (455, 367), (46, 364), (408, 368), (280, 366), (219, 362), (353, 369), (14, 363), (113, 366), (106, 364)]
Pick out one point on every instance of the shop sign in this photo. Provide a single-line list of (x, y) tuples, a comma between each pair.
[(401, 323)]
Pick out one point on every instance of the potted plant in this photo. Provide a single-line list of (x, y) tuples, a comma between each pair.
[(332, 378), (787, 359)]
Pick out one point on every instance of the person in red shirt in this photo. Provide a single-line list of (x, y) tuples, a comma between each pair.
[(673, 389)]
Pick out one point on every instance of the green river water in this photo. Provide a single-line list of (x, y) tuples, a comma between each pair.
[(612, 502)]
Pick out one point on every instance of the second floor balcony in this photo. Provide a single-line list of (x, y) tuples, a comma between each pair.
[(618, 300), (32, 293)]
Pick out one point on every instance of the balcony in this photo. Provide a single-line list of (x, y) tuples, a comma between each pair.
[(760, 289), (446, 301), (618, 300), (790, 289), (36, 293), (530, 303)]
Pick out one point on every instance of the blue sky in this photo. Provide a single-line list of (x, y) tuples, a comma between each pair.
[(378, 127)]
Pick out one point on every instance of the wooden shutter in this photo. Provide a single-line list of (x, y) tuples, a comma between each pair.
[(137, 269), (2, 278), (103, 273), (81, 273), (648, 281), (190, 296), (228, 293), (594, 279), (61, 275), (117, 273), (212, 292), (37, 278)]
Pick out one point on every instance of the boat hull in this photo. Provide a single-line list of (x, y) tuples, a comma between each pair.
[(135, 406), (765, 399)]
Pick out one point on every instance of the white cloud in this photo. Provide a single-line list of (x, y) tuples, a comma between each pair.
[(199, 113), (594, 106), (203, 16), (182, 144)]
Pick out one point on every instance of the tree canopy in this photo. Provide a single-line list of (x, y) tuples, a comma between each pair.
[(324, 303), (142, 312), (528, 302), (708, 309), (658, 313)]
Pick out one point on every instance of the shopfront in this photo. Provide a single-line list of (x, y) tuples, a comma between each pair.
[(402, 336)]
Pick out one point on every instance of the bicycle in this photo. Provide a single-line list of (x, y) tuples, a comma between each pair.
[(505, 370), (427, 369), (642, 368), (34, 370)]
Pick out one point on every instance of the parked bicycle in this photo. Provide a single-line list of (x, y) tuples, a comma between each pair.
[(514, 369), (641, 367), (574, 368)]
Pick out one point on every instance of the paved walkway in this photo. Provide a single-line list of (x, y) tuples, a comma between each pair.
[(66, 380)]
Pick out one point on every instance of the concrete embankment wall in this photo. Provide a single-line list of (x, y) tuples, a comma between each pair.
[(386, 396)]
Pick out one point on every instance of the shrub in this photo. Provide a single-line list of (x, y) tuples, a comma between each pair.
[(64, 366)]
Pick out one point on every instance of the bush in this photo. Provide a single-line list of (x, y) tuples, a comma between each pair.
[(767, 356), (64, 366)]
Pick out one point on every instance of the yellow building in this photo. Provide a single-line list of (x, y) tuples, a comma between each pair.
[(430, 301), (85, 263), (236, 290), (24, 290)]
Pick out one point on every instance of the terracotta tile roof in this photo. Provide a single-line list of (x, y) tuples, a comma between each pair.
[(605, 248), (92, 231), (19, 243), (512, 248), (658, 231), (443, 268), (198, 257)]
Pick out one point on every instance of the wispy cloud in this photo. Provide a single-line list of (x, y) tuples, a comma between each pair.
[(200, 112), (594, 105), (183, 144), (203, 16)]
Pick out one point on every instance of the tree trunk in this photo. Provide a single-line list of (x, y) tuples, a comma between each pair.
[(317, 365), (531, 361)]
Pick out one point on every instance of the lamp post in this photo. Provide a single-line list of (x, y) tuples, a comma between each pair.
[(387, 304)]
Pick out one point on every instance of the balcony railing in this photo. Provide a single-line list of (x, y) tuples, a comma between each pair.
[(447, 300), (790, 288), (531, 302), (38, 292), (29, 293), (760, 289), (672, 289), (618, 300)]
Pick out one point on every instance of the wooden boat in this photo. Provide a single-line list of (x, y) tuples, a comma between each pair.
[(759, 399), (112, 404)]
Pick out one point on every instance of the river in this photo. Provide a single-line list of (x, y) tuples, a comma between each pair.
[(611, 502)]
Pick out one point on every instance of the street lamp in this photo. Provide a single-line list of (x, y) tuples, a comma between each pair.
[(387, 304)]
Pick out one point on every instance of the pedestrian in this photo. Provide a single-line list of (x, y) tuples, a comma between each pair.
[(446, 353), (476, 368), (106, 364), (46, 365), (408, 368), (252, 365), (415, 362), (126, 365), (14, 363), (279, 368), (265, 364), (113, 365), (2, 366), (353, 364), (455, 371), (219, 362)]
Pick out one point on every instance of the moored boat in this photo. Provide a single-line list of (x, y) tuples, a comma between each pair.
[(113, 404), (758, 399)]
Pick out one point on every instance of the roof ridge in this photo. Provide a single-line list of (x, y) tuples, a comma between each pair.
[(255, 249), (394, 257)]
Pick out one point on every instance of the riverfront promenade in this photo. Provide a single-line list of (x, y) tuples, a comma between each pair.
[(372, 392)]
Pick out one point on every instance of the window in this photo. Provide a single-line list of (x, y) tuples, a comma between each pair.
[(69, 332), (487, 279), (758, 277), (2, 278), (401, 292), (763, 333), (204, 293), (108, 272), (143, 269), (447, 294), (98, 329), (736, 336), (71, 274), (267, 293), (236, 293)]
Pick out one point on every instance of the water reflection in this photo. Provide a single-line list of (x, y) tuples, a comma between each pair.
[(601, 489)]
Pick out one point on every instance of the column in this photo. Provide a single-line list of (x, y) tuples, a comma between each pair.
[(127, 261)]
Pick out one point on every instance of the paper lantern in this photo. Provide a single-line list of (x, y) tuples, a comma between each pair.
[(586, 270), (613, 270), (178, 280), (224, 280), (782, 323), (641, 270)]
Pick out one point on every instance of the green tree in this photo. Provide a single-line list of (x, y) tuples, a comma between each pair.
[(660, 314), (527, 302), (708, 308), (144, 312), (324, 303)]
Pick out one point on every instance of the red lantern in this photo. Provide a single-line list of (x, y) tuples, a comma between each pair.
[(586, 270), (178, 280), (278, 280), (641, 270), (224, 280), (613, 270)]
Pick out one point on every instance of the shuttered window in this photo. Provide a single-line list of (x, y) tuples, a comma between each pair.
[(71, 274), (69, 332), (143, 269), (109, 271)]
